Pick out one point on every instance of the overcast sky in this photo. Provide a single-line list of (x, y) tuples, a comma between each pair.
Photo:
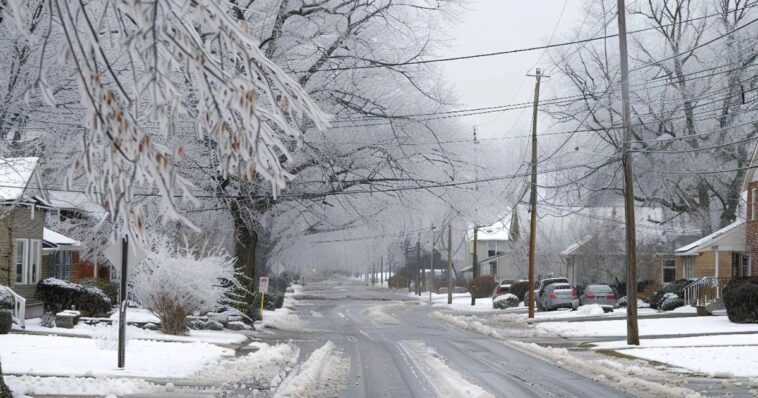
[(496, 25)]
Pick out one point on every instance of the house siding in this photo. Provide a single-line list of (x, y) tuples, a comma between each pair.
[(18, 224), (751, 227), (705, 265)]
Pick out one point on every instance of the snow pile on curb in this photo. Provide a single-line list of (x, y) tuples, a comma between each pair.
[(377, 314), (262, 365), (631, 379), (467, 323), (445, 381), (283, 319), (324, 374), (78, 386), (590, 310)]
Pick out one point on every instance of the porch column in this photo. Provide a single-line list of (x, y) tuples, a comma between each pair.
[(718, 293)]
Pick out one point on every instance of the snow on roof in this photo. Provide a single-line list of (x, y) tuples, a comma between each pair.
[(15, 174), (66, 200), (571, 249), (731, 235), (51, 236)]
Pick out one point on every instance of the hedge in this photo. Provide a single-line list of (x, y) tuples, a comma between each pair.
[(6, 299), (109, 288), (482, 286), (520, 289), (6, 321), (397, 282), (741, 299), (58, 295), (504, 301)]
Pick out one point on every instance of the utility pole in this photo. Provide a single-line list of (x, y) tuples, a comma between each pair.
[(381, 271), (533, 194), (632, 331), (431, 268), (418, 265), (450, 263), (475, 267), (373, 273)]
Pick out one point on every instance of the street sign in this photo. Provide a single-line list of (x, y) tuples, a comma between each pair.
[(134, 254), (263, 285)]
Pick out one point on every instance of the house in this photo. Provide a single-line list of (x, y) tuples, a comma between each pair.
[(61, 259), (22, 221), (600, 255), (497, 248)]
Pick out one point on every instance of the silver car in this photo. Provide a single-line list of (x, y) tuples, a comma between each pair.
[(598, 294), (558, 295)]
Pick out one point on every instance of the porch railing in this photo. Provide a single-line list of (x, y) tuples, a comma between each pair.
[(705, 290), (19, 309)]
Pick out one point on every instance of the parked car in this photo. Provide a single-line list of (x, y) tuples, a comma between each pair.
[(558, 295), (460, 289), (503, 287), (598, 294), (540, 285), (443, 290)]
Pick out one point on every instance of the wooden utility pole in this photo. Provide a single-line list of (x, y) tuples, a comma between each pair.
[(533, 194), (632, 331), (475, 267), (450, 263), (418, 265), (381, 271), (431, 268)]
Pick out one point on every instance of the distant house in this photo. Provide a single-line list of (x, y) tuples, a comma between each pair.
[(22, 221), (600, 257), (497, 247), (61, 259)]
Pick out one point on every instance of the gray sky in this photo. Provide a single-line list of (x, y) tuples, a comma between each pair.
[(496, 25)]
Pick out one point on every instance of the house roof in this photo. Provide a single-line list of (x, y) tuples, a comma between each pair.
[(729, 238), (65, 200), (571, 249), (57, 239), (15, 175), (506, 228)]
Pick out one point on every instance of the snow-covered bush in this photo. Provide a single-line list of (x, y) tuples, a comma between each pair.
[(175, 281), (504, 301), (6, 298), (675, 287), (47, 320), (672, 303), (59, 295)]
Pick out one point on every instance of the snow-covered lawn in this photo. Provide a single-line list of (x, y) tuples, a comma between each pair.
[(79, 386), (133, 332), (74, 356), (648, 327), (137, 315), (725, 361), (461, 302)]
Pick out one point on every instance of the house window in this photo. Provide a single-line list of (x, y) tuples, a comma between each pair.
[(687, 266), (28, 261), (669, 271), (493, 268), (490, 253), (63, 265), (746, 268)]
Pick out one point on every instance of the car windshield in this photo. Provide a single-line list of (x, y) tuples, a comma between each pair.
[(560, 286)]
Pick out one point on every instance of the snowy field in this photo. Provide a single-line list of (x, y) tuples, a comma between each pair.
[(74, 356), (648, 327)]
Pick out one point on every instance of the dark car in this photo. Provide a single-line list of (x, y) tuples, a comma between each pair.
[(503, 287)]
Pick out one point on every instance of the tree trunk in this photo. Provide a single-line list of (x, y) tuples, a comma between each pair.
[(246, 243)]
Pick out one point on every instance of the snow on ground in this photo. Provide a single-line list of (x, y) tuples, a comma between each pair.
[(718, 340), (324, 374), (633, 379), (282, 319), (725, 361), (133, 332), (262, 366), (79, 386), (138, 315), (648, 327), (297, 289), (446, 382), (379, 315), (64, 356), (468, 323), (461, 302)]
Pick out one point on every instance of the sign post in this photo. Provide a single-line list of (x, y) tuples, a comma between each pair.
[(118, 253), (263, 288)]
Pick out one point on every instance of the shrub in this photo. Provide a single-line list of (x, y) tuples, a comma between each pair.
[(741, 299), (504, 301), (398, 282), (109, 288), (672, 303), (520, 289), (58, 295), (47, 320), (6, 299), (621, 303), (5, 392), (482, 286), (6, 321), (676, 287), (175, 281)]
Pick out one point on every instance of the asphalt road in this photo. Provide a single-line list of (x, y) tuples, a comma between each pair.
[(387, 350)]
